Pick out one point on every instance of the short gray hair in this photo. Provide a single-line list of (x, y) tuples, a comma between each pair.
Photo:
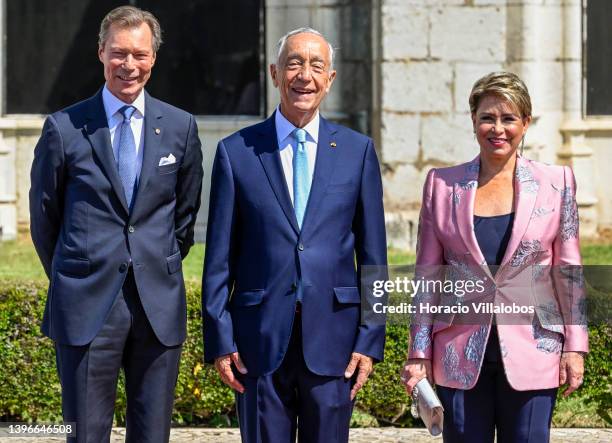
[(130, 17), (305, 30)]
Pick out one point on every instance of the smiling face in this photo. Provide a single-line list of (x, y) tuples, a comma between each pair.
[(128, 58), (303, 76), (499, 127)]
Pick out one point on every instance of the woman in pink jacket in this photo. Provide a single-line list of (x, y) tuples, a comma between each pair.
[(512, 223)]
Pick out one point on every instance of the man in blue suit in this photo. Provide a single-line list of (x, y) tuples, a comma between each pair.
[(116, 184), (294, 201)]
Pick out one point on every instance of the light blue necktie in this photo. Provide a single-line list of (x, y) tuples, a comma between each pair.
[(301, 176), (126, 162), (301, 187)]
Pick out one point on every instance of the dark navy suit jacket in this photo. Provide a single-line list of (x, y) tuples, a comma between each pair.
[(84, 234), (256, 253)]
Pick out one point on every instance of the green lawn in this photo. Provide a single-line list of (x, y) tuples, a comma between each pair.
[(18, 260)]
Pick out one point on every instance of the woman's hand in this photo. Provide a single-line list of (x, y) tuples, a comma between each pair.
[(571, 371), (414, 370)]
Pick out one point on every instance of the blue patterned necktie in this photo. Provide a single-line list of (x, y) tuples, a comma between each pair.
[(126, 162), (301, 176)]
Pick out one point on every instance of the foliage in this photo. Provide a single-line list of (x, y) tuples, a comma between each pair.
[(32, 391), (597, 389)]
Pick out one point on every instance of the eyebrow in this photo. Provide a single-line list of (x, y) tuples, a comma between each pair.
[(505, 114), (295, 56)]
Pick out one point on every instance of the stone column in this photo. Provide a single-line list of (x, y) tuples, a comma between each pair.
[(535, 53), (8, 197)]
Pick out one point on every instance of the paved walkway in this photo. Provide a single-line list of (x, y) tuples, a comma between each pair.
[(364, 435)]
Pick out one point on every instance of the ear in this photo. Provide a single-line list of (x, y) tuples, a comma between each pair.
[(153, 58), (332, 77), (100, 52), (526, 123), (274, 75), (474, 122)]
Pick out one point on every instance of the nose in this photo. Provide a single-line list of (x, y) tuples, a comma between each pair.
[(128, 62), (305, 72), (498, 127)]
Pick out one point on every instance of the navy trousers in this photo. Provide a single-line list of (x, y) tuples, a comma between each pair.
[(473, 416), (293, 400), (89, 375)]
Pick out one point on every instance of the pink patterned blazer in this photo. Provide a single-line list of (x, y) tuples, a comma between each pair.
[(540, 268)]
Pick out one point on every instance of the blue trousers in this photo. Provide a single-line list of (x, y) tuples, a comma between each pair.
[(473, 416), (89, 375), (294, 400)]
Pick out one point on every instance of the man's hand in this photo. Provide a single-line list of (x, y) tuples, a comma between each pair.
[(365, 365), (571, 371), (223, 365), (414, 371)]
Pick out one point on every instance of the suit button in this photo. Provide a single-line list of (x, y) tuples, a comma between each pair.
[(293, 287), (123, 267), (131, 229), (301, 247)]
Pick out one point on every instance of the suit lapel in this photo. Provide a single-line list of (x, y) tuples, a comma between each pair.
[(96, 130), (464, 195), (525, 199), (153, 132), (324, 166), (269, 156)]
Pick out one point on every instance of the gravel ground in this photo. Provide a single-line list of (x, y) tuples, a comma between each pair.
[(363, 435)]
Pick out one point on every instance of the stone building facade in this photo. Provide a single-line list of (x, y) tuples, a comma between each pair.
[(431, 54), (405, 69)]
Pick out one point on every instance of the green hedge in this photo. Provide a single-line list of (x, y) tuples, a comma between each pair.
[(31, 389)]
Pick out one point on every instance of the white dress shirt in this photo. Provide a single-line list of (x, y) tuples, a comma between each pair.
[(287, 144), (112, 105)]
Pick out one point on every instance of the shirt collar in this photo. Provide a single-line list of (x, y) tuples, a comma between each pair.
[(284, 128), (112, 104)]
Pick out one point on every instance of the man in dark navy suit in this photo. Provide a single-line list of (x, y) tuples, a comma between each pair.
[(295, 205), (116, 184)]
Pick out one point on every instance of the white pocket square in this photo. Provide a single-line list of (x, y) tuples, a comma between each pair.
[(170, 160)]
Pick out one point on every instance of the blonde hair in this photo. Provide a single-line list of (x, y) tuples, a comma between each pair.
[(130, 17), (505, 85)]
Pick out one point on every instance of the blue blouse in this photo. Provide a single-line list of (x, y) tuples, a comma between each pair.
[(493, 234)]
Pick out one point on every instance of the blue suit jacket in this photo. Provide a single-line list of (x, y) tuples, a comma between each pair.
[(256, 253), (82, 229)]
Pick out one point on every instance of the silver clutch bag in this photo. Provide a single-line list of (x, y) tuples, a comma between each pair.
[(427, 406)]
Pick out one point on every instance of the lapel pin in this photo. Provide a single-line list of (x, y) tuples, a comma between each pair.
[(332, 144), (157, 131)]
